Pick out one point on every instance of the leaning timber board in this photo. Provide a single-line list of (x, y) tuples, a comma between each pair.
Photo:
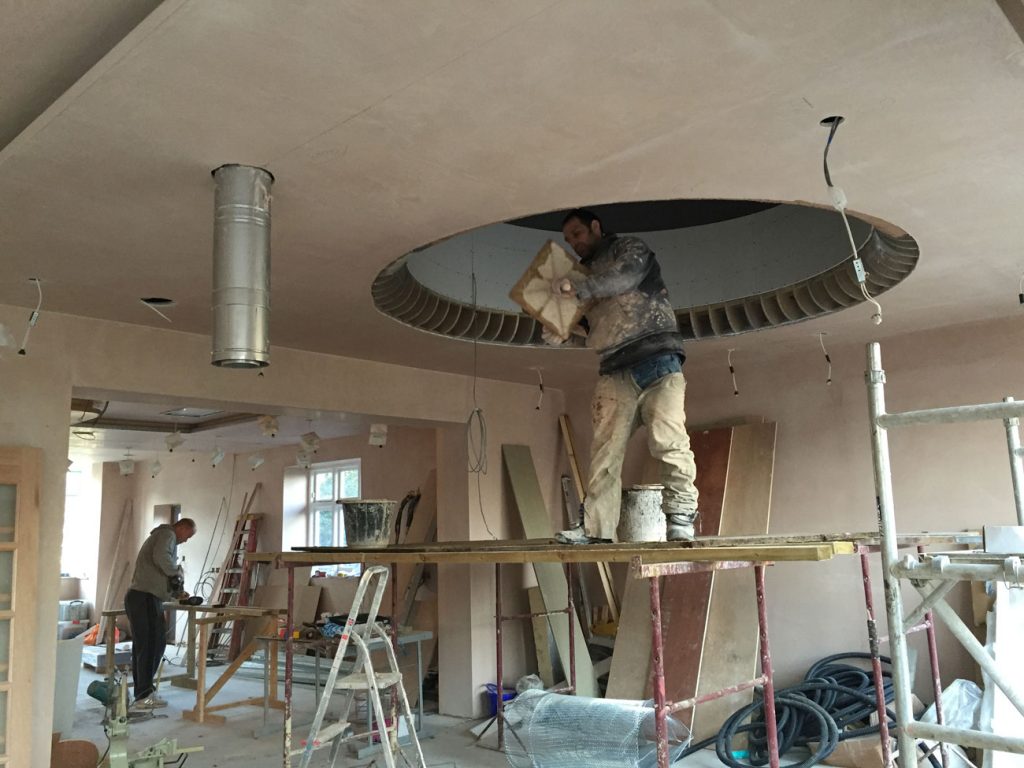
[(550, 577), (685, 599), (541, 638), (731, 637), (631, 659)]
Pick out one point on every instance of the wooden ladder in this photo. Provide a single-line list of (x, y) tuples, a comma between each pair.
[(236, 585)]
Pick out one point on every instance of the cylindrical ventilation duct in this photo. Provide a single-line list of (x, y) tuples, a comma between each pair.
[(241, 267)]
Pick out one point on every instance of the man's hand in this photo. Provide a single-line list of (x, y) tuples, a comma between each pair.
[(562, 286), (550, 337)]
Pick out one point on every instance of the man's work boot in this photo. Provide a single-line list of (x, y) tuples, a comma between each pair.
[(578, 535), (679, 526)]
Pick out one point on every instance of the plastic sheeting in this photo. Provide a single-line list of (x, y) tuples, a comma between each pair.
[(548, 730)]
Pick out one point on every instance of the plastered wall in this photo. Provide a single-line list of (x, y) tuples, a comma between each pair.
[(99, 358), (946, 477)]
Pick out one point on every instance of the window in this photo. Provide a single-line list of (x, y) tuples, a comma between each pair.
[(329, 483)]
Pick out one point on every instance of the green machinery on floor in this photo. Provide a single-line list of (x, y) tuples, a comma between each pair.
[(113, 694)]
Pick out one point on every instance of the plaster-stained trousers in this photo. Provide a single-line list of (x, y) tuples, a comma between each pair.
[(618, 408)]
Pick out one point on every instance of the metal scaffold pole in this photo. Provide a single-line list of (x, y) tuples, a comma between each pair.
[(903, 705), (1012, 425)]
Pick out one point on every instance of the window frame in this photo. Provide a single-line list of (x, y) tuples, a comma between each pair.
[(316, 506)]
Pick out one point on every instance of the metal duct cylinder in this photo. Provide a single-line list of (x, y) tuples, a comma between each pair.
[(241, 267)]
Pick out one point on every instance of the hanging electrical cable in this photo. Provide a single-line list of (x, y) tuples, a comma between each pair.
[(476, 424), (839, 203), (152, 305), (732, 373), (32, 318), (221, 513), (540, 386), (828, 360)]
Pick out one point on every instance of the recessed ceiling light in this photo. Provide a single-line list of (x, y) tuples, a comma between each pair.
[(192, 413)]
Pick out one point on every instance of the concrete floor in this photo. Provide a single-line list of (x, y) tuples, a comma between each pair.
[(233, 743)]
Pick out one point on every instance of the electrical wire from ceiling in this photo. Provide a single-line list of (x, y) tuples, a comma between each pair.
[(828, 360), (153, 307), (540, 386), (732, 373), (33, 318), (839, 203), (476, 424)]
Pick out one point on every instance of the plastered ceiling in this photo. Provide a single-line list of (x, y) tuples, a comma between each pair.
[(391, 125)]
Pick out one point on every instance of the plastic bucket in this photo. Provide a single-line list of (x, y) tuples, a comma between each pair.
[(641, 517), (368, 522), (492, 697)]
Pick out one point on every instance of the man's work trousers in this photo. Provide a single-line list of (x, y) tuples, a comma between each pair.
[(149, 638), (618, 408)]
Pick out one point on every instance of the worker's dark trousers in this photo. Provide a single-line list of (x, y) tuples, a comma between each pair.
[(149, 638)]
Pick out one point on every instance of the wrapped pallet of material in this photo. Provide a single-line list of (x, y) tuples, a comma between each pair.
[(550, 730)]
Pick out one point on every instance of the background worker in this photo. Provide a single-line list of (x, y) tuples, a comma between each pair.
[(633, 328), (157, 578)]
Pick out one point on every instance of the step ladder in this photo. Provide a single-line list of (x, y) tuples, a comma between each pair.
[(236, 586), (363, 677)]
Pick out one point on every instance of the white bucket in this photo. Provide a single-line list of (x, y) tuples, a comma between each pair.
[(641, 518), (368, 522)]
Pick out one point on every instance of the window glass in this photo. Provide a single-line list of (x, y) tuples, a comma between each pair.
[(324, 528), (6, 580), (323, 486), (8, 507), (349, 484)]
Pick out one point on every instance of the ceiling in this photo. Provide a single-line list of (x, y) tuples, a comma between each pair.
[(389, 126), (110, 428)]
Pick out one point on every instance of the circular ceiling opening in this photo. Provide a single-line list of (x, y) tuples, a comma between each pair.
[(731, 266)]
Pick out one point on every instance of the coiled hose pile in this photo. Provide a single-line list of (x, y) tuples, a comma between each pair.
[(833, 703)]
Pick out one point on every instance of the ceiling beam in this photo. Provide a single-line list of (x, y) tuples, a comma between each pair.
[(140, 425)]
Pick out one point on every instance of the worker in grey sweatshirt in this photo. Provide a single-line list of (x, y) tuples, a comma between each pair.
[(157, 579), (631, 324)]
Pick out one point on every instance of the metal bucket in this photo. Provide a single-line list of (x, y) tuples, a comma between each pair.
[(641, 518), (368, 522)]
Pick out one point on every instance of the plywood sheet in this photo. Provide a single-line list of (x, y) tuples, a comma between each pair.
[(541, 638), (550, 577), (685, 599), (731, 638), (559, 314), (74, 754), (631, 659)]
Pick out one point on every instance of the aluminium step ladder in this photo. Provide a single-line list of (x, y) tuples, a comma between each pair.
[(363, 677)]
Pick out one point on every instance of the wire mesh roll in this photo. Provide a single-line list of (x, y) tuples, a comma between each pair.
[(548, 730)]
